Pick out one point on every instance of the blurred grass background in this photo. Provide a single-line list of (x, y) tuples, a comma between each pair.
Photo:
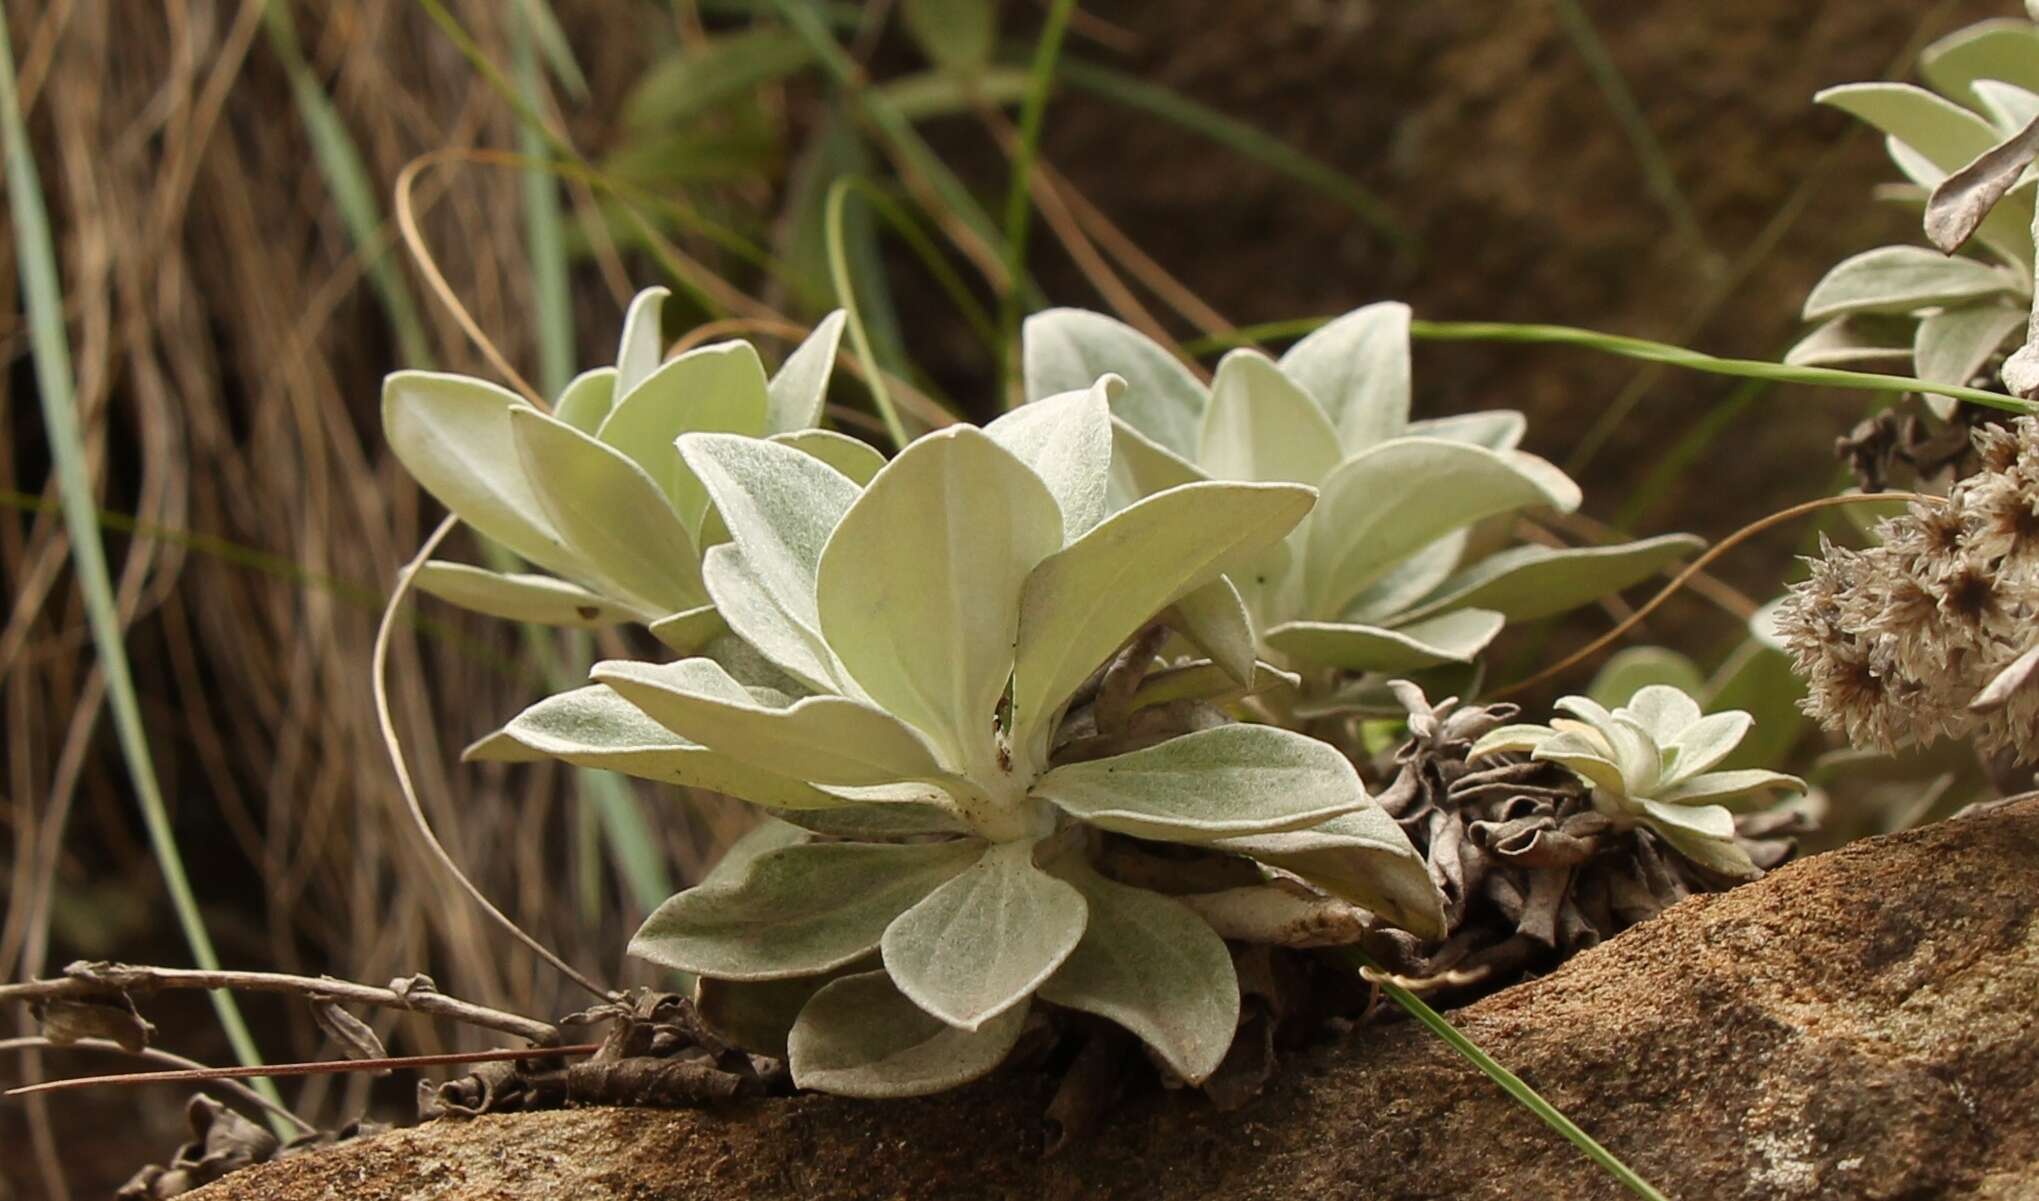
[(220, 180)]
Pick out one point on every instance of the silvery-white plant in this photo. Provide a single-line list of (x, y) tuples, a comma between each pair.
[(594, 491), (1382, 576), (1649, 763), (909, 651), (1950, 315)]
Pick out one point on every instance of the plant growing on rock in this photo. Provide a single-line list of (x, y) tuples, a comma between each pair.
[(1384, 576), (594, 491), (1649, 764), (1951, 315), (942, 687)]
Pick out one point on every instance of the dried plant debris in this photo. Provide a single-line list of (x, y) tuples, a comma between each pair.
[(657, 1053), (1931, 633), (1536, 861), (224, 1141), (1899, 447)]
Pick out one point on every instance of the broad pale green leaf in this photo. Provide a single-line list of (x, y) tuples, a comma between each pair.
[(610, 513), (1665, 712), (452, 433), (587, 399), (2006, 49), (642, 345), (856, 459), (1362, 857), (1704, 834), (1701, 744), (1393, 597), (1527, 582), (1955, 344), (760, 840), (1262, 427), (1086, 599), (593, 727), (1634, 668), (1141, 467), (1589, 762), (1730, 788), (1899, 279), (780, 505), (1453, 637), (796, 393), (1357, 367), (543, 599), (1520, 737), (1066, 439), (1854, 339), (861, 1037), (1066, 350), (980, 945), (1945, 133), (919, 586), (1214, 618), (2011, 109), (1385, 503), (690, 629), (718, 389), (1496, 429), (822, 739), (1216, 783), (1618, 736), (876, 821), (1152, 966), (748, 608), (798, 910)]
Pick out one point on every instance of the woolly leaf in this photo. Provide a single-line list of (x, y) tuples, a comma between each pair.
[(1066, 350), (1066, 439), (1527, 582), (856, 459), (1152, 966), (542, 599), (710, 389), (861, 1037), (1362, 857), (796, 393), (1454, 637), (797, 910), (643, 342), (1215, 783), (1357, 368), (1898, 279), (1261, 427), (984, 941), (780, 506), (587, 399)]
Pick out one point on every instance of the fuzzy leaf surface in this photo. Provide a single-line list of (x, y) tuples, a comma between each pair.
[(1067, 350), (1066, 439), (796, 393), (1357, 368), (861, 1037)]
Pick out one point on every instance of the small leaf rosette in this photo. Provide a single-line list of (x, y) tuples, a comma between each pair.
[(1648, 763), (1383, 575), (595, 492), (908, 650)]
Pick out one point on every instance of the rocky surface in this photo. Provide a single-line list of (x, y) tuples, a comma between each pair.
[(1858, 1025)]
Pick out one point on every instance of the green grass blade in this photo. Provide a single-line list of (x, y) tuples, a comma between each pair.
[(1242, 138), (1639, 348), (896, 131), (42, 291), (353, 192), (1510, 1083), (1018, 201), (632, 846), (846, 296), (1656, 167), (552, 43)]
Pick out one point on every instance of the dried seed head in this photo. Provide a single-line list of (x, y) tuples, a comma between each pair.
[(1894, 642)]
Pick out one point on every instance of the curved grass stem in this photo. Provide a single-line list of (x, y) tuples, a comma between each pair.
[(1510, 1083)]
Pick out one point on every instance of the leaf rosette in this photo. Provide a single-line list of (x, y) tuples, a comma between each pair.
[(899, 689), (1650, 763), (595, 492), (1384, 576)]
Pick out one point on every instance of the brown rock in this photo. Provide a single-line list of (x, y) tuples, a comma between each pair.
[(1859, 1025)]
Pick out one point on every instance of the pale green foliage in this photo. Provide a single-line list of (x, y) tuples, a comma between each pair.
[(1650, 763), (595, 492), (1965, 142), (902, 658), (1382, 576)]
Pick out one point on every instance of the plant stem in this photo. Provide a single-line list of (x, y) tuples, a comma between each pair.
[(1510, 1083), (43, 293), (1637, 348)]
